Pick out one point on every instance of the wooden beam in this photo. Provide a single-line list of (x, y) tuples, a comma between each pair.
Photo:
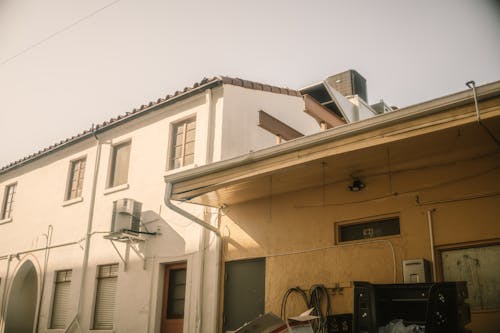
[(278, 128), (323, 116)]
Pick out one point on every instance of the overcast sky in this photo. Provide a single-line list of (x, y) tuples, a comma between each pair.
[(65, 64)]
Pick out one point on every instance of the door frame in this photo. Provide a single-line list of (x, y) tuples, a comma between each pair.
[(166, 281)]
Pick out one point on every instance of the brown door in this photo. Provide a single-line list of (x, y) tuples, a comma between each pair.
[(174, 292)]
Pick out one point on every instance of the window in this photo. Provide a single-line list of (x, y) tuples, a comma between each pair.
[(60, 302), (368, 230), (118, 174), (8, 201), (105, 295), (176, 293), (75, 182), (183, 139), (480, 267)]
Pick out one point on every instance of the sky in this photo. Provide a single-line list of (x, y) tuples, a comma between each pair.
[(66, 64)]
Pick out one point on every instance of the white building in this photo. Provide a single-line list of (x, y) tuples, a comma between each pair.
[(58, 272)]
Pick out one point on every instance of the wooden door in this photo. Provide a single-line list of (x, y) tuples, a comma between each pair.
[(174, 292)]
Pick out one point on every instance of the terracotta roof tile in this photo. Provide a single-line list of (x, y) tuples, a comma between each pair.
[(223, 79)]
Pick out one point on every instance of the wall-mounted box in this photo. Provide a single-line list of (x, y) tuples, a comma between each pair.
[(416, 271)]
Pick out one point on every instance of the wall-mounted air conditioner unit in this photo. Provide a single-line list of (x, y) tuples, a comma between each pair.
[(126, 215)]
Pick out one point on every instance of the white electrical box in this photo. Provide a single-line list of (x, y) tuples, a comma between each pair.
[(416, 271), (126, 215)]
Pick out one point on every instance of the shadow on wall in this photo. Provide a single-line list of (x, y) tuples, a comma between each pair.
[(22, 300), (169, 241)]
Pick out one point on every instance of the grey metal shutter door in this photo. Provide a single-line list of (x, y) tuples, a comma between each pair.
[(60, 305), (105, 303)]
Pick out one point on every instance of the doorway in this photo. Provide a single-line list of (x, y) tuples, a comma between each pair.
[(174, 296), (244, 292), (21, 306)]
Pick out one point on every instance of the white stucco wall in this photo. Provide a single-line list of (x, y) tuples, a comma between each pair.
[(240, 133), (226, 126)]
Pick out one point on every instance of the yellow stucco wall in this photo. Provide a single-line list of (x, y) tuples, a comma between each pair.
[(296, 231)]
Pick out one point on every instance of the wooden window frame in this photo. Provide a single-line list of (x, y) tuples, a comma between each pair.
[(171, 155), (80, 179), (8, 203)]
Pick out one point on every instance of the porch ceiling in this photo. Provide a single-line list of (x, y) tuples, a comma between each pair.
[(390, 150)]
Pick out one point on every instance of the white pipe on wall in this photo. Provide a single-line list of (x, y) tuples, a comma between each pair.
[(431, 238)]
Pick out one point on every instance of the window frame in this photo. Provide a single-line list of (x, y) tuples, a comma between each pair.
[(94, 304), (171, 148), (69, 181), (438, 251), (112, 163), (50, 324), (338, 225), (5, 202)]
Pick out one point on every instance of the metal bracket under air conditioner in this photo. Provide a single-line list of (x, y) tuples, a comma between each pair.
[(130, 240)]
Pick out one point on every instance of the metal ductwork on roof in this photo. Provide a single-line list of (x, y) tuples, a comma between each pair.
[(344, 94)]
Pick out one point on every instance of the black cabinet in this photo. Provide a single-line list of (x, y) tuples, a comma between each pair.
[(439, 306)]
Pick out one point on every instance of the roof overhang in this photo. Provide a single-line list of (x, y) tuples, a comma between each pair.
[(358, 149)]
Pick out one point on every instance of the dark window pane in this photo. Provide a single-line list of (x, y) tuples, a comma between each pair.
[(176, 293), (367, 230)]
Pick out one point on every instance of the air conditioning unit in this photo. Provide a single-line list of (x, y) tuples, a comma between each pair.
[(126, 215)]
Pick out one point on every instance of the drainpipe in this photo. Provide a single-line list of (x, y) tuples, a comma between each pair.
[(48, 243), (88, 234), (431, 237), (205, 225)]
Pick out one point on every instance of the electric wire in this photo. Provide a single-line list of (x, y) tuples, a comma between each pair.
[(284, 301), (84, 18)]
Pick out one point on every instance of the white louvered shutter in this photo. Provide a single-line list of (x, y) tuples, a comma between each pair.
[(105, 297), (60, 304)]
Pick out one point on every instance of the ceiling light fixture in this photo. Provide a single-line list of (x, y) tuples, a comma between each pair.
[(356, 186)]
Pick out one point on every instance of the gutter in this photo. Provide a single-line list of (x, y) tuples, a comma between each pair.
[(392, 118)]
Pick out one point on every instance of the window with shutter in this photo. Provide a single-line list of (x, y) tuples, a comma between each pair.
[(60, 302), (120, 157), (107, 276)]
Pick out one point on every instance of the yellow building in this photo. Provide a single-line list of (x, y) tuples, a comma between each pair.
[(351, 203)]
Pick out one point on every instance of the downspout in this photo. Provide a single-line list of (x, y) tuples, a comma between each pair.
[(205, 225), (431, 238), (48, 243), (88, 234), (472, 85)]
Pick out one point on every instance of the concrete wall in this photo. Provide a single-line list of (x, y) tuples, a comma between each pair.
[(296, 231)]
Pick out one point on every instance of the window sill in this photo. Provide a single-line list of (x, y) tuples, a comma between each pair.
[(116, 189), (179, 169), (4, 221), (72, 201)]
